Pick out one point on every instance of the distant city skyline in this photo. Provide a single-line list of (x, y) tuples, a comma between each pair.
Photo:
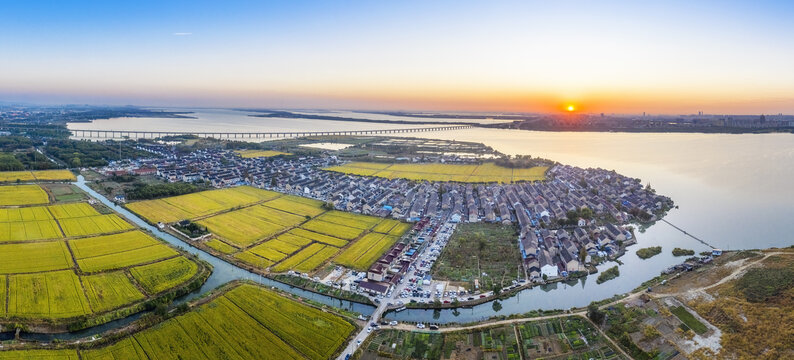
[(674, 57)]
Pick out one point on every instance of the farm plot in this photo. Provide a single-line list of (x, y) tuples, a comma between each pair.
[(240, 229), (365, 251), (93, 225), (29, 230), (484, 173), (299, 257), (110, 290), (239, 324), (349, 219), (328, 228), (199, 204), (297, 205), (13, 195), (163, 275), (314, 333), (16, 258), (67, 211), (118, 251), (313, 236), (25, 214), (259, 153), (52, 295), (41, 175)]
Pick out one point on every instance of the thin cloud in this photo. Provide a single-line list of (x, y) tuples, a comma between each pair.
[(182, 33)]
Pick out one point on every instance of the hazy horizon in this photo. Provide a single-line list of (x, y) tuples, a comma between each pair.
[(617, 57)]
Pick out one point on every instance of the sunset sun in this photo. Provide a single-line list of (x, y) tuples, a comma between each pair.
[(571, 108)]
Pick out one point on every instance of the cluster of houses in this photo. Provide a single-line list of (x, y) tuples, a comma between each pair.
[(552, 244)]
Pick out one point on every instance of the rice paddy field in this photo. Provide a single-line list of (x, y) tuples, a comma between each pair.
[(259, 153), (483, 173), (278, 232), (239, 324), (38, 175), (192, 206), (60, 263), (23, 195)]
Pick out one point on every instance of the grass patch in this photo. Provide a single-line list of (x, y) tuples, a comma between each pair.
[(488, 252), (689, 320)]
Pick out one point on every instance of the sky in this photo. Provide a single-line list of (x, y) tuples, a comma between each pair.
[(672, 57)]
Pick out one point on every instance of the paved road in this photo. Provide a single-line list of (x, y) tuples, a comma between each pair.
[(363, 334)]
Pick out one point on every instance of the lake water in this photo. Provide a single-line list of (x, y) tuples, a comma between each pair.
[(223, 120), (733, 191)]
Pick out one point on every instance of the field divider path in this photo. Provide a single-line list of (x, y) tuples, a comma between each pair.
[(6, 291), (135, 282), (49, 211)]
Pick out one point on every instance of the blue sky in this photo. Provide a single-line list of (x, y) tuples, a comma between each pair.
[(603, 56)]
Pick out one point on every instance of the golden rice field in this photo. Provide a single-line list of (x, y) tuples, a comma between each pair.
[(239, 324), (192, 206), (87, 268), (13, 195), (277, 231), (38, 175), (484, 173), (259, 153), (366, 251)]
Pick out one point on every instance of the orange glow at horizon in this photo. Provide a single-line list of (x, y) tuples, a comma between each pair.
[(570, 108)]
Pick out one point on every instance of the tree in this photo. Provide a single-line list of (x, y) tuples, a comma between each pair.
[(497, 306), (595, 314)]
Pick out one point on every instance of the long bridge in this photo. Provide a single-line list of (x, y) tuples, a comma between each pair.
[(136, 134)]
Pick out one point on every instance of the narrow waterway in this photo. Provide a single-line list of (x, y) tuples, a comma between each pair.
[(222, 273)]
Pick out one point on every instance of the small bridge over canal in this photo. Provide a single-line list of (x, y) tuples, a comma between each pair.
[(136, 134)]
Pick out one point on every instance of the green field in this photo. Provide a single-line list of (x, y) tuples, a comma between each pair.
[(239, 324), (477, 248), (484, 173), (12, 195)]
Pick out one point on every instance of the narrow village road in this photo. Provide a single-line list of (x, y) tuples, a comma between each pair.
[(363, 334)]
